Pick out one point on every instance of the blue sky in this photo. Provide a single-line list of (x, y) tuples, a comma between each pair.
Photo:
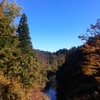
[(56, 24)]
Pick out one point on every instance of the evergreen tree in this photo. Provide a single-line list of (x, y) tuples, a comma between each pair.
[(31, 67), (8, 44), (23, 33)]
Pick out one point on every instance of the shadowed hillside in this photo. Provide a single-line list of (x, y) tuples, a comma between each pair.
[(79, 77)]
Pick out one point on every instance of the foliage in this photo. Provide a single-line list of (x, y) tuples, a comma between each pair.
[(11, 9), (51, 61), (8, 45), (78, 78), (23, 69), (32, 70), (10, 89), (8, 61), (20, 69), (92, 50), (23, 33)]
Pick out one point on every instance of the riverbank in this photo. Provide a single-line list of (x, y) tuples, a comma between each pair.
[(38, 95)]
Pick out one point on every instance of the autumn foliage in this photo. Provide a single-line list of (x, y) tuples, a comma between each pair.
[(79, 77), (19, 71)]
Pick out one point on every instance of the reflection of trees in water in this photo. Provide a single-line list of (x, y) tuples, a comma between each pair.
[(48, 85), (51, 84)]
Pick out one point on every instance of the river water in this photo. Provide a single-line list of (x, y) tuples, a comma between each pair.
[(51, 93)]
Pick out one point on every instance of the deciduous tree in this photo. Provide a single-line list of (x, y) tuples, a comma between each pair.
[(11, 9)]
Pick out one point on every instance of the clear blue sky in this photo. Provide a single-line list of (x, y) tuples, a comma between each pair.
[(56, 24)]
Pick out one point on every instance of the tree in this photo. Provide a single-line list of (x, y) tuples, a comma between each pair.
[(9, 61), (31, 67), (11, 9), (23, 33), (93, 31), (91, 48), (18, 72), (79, 77)]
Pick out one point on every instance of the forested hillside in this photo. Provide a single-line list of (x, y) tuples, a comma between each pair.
[(79, 77), (19, 69), (51, 61), (24, 70)]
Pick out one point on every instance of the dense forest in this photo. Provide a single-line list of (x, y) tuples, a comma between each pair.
[(19, 69), (79, 77), (24, 70), (51, 61)]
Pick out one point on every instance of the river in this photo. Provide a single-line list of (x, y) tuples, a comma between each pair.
[(51, 91)]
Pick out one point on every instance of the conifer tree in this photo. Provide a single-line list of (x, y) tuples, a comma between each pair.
[(31, 68), (23, 33), (9, 61), (9, 52)]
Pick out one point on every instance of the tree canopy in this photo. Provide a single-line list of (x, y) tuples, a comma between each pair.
[(10, 9), (78, 78)]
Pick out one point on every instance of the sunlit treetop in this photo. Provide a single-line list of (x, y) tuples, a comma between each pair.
[(10, 9)]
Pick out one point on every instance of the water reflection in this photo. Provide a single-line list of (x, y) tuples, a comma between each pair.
[(51, 93), (50, 89)]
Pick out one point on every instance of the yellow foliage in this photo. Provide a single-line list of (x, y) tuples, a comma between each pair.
[(88, 70), (10, 89)]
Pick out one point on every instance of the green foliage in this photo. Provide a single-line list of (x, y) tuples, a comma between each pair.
[(8, 45), (23, 33), (10, 90), (20, 68), (51, 61), (31, 68)]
